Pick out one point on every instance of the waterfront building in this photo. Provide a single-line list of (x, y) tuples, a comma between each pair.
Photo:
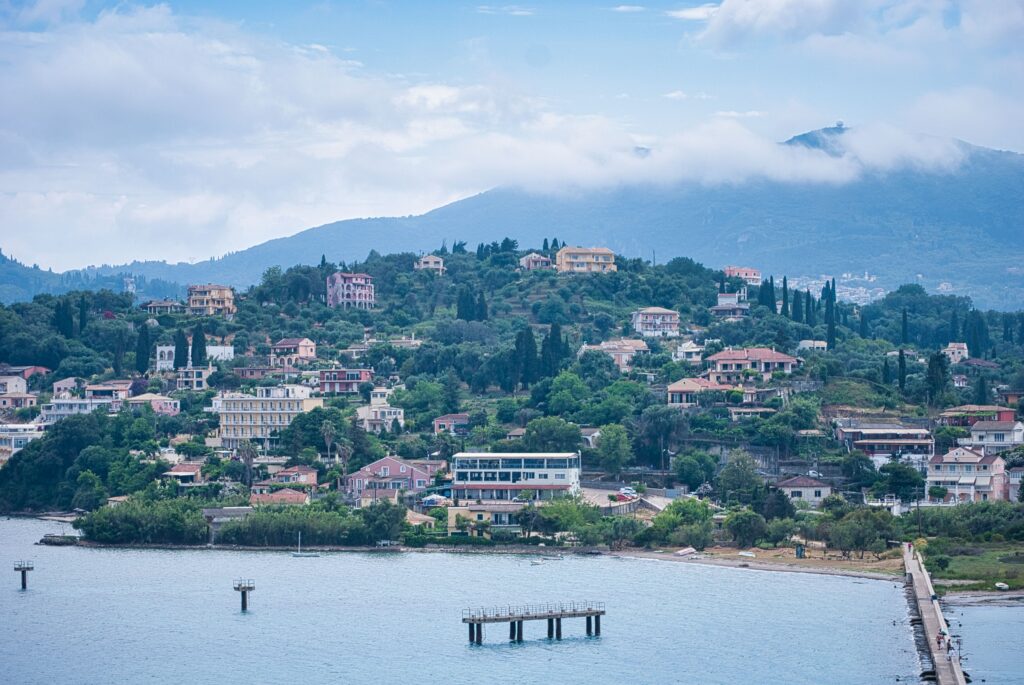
[(969, 476), (350, 290), (506, 476), (391, 474), (656, 322), (259, 417), (585, 260), (484, 518), (63, 407), (886, 441), (211, 300)]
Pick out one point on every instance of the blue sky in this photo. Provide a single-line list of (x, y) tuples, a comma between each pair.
[(202, 128)]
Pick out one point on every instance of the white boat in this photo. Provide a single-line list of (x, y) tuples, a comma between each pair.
[(558, 558), (536, 562), (749, 555), (1002, 586), (300, 553)]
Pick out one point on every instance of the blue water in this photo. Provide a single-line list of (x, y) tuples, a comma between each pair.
[(149, 616), (993, 650)]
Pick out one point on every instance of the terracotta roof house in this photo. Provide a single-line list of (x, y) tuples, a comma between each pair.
[(731, 365), (282, 496), (456, 424), (805, 489), (968, 475), (292, 351), (686, 392), (186, 472)]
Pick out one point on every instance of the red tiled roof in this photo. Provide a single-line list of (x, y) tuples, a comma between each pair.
[(460, 418), (762, 354)]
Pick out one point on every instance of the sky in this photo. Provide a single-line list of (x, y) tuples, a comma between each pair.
[(185, 130)]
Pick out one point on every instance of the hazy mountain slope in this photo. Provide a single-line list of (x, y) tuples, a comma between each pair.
[(964, 227)]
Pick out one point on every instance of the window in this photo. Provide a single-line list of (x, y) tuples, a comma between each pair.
[(403, 468), (479, 517), (796, 493), (817, 493), (559, 476), (385, 470), (1000, 437), (420, 483)]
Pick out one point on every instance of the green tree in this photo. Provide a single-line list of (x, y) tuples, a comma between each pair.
[(739, 478), (551, 434), (198, 346), (902, 371), (83, 314), (90, 493), (746, 527), (613, 449), (937, 377), (180, 349), (142, 347)]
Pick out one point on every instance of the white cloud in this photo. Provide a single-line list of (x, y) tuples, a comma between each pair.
[(675, 95), (143, 134), (511, 10), (733, 114), (698, 13), (628, 8)]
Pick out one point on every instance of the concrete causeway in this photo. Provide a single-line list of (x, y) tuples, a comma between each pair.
[(947, 671)]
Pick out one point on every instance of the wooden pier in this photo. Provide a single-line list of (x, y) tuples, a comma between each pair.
[(515, 616)]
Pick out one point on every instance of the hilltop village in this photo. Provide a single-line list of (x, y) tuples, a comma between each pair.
[(559, 394)]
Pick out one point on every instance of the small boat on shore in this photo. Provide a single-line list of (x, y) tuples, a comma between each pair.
[(1002, 586)]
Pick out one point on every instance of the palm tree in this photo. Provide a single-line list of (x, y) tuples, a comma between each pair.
[(328, 431), (247, 451)]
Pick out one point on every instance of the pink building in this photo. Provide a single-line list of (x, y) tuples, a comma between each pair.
[(456, 424), (733, 366), (292, 351), (350, 290), (751, 276), (389, 475), (343, 381), (969, 476), (160, 404)]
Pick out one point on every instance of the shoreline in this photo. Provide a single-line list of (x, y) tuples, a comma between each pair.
[(759, 565)]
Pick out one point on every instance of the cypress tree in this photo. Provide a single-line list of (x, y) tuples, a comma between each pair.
[(798, 307), (771, 294), (142, 350), (886, 372), (1020, 334), (785, 297), (526, 357), (198, 346), (180, 349), (904, 329), (863, 325), (1008, 327), (830, 337), (810, 315), (982, 395), (83, 314), (546, 246), (554, 244), (481, 307), (902, 370)]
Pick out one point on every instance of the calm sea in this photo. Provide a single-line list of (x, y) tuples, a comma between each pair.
[(113, 616)]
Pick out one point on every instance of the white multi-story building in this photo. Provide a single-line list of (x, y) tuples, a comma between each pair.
[(379, 415), (259, 417), (14, 436), (506, 476), (656, 322), (990, 437), (61, 408), (214, 353)]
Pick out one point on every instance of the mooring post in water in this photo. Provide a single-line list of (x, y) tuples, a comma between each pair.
[(245, 586), (24, 567)]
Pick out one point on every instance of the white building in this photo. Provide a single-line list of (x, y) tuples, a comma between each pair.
[(989, 437), (379, 415), (506, 476), (13, 384), (214, 353), (805, 489), (430, 262), (64, 407), (656, 322), (14, 436), (688, 351), (258, 418)]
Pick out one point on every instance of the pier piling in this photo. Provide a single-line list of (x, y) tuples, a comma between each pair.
[(515, 616), (23, 567), (244, 586)]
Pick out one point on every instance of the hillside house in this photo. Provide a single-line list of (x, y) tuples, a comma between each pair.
[(621, 350), (969, 476), (750, 276), (350, 290), (454, 424), (956, 352), (211, 300), (990, 437), (730, 307), (736, 365), (14, 384), (585, 260), (429, 262), (343, 381), (805, 489), (390, 475), (967, 415), (656, 322), (688, 351), (292, 352), (689, 392), (534, 262)]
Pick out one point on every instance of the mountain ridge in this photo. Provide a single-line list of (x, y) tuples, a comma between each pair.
[(960, 226)]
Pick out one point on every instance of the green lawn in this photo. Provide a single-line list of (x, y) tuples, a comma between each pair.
[(987, 563)]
